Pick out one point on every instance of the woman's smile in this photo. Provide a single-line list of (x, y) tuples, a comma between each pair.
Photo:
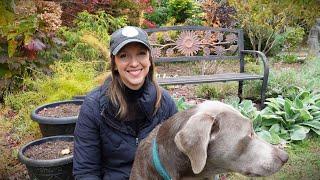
[(135, 72)]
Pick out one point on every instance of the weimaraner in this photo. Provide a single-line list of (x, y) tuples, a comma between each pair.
[(208, 139)]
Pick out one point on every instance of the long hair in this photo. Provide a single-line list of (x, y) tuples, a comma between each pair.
[(116, 89)]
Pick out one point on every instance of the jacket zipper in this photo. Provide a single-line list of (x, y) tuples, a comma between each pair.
[(137, 141)]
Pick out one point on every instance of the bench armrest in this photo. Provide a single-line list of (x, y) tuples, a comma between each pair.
[(263, 58)]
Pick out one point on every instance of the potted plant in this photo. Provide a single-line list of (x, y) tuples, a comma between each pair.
[(57, 118), (48, 158)]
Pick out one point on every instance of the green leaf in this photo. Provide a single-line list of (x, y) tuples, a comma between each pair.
[(273, 105), (287, 108), (265, 135), (284, 134), (316, 97), (316, 114), (275, 128), (317, 131), (298, 103), (275, 139), (298, 133), (304, 96), (305, 115), (257, 121), (269, 120), (313, 124)]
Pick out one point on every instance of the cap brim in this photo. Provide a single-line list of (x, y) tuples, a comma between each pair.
[(122, 44)]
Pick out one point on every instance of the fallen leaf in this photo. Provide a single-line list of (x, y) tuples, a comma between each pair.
[(65, 151)]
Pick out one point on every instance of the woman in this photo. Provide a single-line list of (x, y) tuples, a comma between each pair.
[(115, 117)]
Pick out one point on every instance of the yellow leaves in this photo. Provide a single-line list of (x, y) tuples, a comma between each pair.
[(12, 46), (96, 44), (6, 16)]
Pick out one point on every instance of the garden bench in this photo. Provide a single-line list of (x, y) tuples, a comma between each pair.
[(200, 43)]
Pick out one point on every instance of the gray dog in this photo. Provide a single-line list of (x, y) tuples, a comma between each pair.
[(198, 143)]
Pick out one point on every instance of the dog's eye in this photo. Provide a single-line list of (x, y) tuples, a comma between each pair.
[(251, 135)]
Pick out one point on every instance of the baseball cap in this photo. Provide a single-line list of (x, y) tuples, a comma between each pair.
[(126, 35)]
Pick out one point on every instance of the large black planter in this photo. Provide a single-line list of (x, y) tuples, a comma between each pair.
[(77, 97), (55, 169), (51, 126)]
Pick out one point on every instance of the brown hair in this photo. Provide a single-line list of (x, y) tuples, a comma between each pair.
[(116, 88)]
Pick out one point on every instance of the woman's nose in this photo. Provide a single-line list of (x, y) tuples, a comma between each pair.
[(134, 61)]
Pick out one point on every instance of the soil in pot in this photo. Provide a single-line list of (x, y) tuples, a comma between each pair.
[(49, 158), (57, 118), (63, 110), (50, 150)]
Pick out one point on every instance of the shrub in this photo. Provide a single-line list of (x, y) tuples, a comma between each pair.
[(216, 90), (26, 31), (265, 21), (171, 12), (218, 14), (89, 39), (286, 58), (159, 15), (260, 21), (293, 37)]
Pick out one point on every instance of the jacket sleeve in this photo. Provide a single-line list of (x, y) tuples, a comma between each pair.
[(170, 104), (173, 108), (87, 148)]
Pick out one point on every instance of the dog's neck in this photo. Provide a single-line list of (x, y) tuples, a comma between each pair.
[(167, 148)]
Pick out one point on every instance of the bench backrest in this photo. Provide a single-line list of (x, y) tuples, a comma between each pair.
[(195, 43)]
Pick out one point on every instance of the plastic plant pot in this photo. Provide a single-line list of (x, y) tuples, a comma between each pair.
[(54, 169), (52, 126), (79, 97)]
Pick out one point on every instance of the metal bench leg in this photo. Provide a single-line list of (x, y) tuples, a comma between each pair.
[(263, 91), (240, 90)]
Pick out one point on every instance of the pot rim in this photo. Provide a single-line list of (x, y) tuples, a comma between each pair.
[(53, 120), (44, 163)]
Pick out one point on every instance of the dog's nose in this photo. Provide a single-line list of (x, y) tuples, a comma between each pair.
[(283, 156)]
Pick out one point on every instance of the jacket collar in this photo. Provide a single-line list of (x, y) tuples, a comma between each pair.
[(108, 110)]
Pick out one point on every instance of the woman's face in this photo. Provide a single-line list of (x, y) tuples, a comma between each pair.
[(132, 63)]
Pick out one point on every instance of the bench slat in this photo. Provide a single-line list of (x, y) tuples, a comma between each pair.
[(195, 79)]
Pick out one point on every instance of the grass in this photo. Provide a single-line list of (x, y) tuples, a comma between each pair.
[(303, 163)]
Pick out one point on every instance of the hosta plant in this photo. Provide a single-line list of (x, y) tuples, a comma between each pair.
[(285, 119), (182, 104)]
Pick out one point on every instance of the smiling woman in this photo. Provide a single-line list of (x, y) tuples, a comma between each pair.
[(116, 116), (132, 64)]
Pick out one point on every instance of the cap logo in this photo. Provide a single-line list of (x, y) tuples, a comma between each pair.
[(129, 31)]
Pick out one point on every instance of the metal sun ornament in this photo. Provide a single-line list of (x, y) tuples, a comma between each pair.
[(188, 43), (155, 52), (232, 38)]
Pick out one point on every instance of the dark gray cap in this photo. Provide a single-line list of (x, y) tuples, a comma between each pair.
[(126, 35)]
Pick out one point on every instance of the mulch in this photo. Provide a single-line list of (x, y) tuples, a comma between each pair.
[(50, 150), (63, 110)]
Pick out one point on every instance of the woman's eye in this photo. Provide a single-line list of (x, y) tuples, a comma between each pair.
[(142, 53), (122, 56)]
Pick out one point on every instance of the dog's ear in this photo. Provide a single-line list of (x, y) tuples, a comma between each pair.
[(193, 139)]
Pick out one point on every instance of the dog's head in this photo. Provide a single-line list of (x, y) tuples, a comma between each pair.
[(217, 138)]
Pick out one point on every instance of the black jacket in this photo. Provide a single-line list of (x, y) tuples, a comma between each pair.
[(105, 146)]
